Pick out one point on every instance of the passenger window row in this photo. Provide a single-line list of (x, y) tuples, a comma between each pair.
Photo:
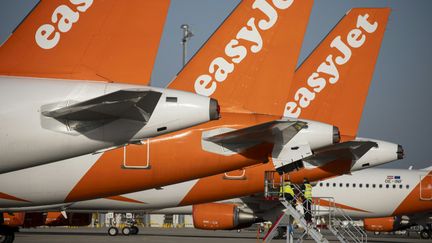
[(361, 185)]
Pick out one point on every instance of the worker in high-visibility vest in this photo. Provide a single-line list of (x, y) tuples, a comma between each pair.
[(307, 199), (288, 192)]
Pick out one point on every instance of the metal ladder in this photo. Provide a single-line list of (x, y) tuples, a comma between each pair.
[(338, 222), (271, 190)]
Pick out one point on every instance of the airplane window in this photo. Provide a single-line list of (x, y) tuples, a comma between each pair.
[(387, 186), (367, 185), (328, 184), (373, 185), (347, 185), (334, 184), (354, 184), (340, 184), (407, 186), (394, 185), (400, 186), (321, 184), (360, 185)]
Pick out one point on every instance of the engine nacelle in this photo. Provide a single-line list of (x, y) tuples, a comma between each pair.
[(13, 220), (73, 219), (221, 216), (385, 152), (379, 224), (25, 220), (34, 220), (28, 220), (387, 224)]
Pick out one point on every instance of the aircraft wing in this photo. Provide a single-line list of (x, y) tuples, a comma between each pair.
[(43, 208), (278, 131)]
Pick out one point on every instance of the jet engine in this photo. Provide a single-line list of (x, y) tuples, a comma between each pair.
[(13, 220), (221, 216), (387, 224), (28, 220), (25, 220), (73, 219)]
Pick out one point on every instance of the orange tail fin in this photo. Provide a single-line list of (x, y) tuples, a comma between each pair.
[(248, 63), (86, 39), (332, 83)]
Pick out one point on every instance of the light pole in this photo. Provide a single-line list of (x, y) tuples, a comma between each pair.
[(187, 34)]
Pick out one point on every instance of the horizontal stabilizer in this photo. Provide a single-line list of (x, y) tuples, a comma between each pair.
[(126, 104), (352, 150), (270, 132)]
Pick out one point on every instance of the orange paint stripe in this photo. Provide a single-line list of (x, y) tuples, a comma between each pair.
[(124, 199), (326, 203), (10, 197), (412, 203)]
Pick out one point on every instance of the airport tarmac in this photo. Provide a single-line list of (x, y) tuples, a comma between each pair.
[(161, 235)]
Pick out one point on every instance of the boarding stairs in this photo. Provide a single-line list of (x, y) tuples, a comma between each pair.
[(340, 224), (285, 221)]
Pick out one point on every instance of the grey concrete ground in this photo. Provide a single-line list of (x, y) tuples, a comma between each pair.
[(158, 235)]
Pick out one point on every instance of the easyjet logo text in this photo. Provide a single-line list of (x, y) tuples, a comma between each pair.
[(235, 51), (327, 71), (62, 19)]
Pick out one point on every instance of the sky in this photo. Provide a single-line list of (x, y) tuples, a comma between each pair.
[(398, 107)]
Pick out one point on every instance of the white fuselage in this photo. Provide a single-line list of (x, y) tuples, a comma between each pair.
[(366, 201), (372, 192), (172, 195), (54, 183), (28, 138)]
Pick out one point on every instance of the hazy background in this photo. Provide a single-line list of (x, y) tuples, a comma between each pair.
[(398, 106)]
